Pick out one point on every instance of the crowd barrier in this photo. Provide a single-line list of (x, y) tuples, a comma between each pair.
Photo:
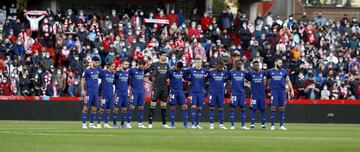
[(69, 108)]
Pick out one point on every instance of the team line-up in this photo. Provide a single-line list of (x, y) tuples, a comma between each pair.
[(115, 101)]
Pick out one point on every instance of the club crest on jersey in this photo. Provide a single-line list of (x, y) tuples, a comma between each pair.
[(280, 73)]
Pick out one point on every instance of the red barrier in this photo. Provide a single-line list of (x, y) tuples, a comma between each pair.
[(76, 99)]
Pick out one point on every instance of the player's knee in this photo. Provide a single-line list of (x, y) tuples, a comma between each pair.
[(232, 107), (124, 110), (101, 110), (212, 107), (163, 104), (132, 107), (153, 103), (193, 107), (85, 109), (141, 108), (93, 109), (108, 110), (115, 110), (273, 108), (184, 107), (220, 108), (152, 106), (242, 107), (172, 107), (281, 108)]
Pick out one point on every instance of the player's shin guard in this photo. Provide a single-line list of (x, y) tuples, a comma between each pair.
[(151, 114), (129, 116), (263, 117), (221, 116), (99, 117), (185, 117), (83, 117), (140, 115), (282, 117), (123, 118), (92, 116), (163, 115), (211, 115), (198, 117), (106, 117), (252, 116), (272, 117), (243, 117), (232, 117), (172, 117), (193, 116), (114, 117)]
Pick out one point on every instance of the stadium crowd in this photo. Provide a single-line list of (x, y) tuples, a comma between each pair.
[(322, 55)]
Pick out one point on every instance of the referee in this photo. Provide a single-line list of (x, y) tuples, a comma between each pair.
[(159, 92)]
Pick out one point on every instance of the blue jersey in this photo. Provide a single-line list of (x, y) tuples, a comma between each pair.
[(107, 82), (237, 82), (196, 76), (176, 79), (121, 82), (217, 80), (136, 78), (91, 76), (257, 82), (277, 79)]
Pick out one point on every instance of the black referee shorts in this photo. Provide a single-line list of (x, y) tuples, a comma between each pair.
[(159, 95)]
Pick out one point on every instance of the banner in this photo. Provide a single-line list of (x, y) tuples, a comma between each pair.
[(2, 16), (158, 21)]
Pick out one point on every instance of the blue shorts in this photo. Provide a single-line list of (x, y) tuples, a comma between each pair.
[(92, 99), (238, 100), (216, 100), (122, 101), (197, 98), (278, 98), (137, 99), (177, 97), (107, 102), (257, 103)]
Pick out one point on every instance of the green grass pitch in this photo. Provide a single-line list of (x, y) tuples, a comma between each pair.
[(67, 136)]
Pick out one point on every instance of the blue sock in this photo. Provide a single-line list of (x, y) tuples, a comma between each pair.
[(272, 117), (123, 118), (107, 117), (232, 117), (282, 117), (129, 116), (92, 117), (185, 117), (114, 117), (211, 115), (172, 117), (140, 115), (252, 116), (193, 116), (263, 117), (198, 117), (99, 117), (221, 116), (83, 117), (243, 117)]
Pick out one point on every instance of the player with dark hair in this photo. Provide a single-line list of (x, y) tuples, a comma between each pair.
[(89, 90), (159, 92), (177, 95), (196, 76), (217, 79), (107, 94), (121, 87), (257, 82), (237, 76), (278, 79), (136, 79)]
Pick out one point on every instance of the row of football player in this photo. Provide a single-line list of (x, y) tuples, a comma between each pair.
[(134, 77)]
